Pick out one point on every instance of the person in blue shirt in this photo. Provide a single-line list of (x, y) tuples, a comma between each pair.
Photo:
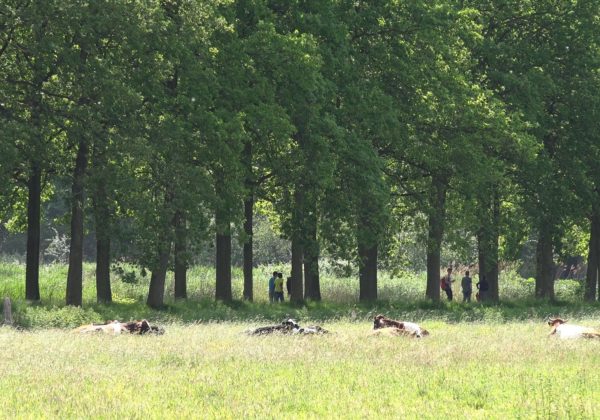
[(272, 286)]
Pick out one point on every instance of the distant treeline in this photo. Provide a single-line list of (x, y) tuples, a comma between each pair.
[(350, 125)]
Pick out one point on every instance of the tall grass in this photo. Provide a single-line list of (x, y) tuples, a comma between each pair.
[(214, 370), (401, 296)]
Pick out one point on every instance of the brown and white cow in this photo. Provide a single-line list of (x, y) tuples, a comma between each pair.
[(399, 327), (117, 327), (563, 330), (288, 326)]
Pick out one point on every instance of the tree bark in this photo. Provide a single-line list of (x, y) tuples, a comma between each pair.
[(223, 259), (437, 212), (312, 283), (367, 272), (248, 248), (181, 263), (297, 292), (32, 268), (544, 279), (102, 221), (297, 259), (156, 292), (487, 241), (75, 272), (248, 293), (593, 261)]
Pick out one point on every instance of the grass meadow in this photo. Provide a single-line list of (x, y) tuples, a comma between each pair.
[(480, 361), (214, 370)]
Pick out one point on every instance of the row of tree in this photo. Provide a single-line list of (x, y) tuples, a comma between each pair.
[(346, 121)]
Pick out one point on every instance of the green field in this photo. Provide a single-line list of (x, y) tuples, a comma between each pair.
[(468, 370), (400, 296), (481, 361)]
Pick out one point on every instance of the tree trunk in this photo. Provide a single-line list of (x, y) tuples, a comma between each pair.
[(223, 259), (593, 262), (248, 248), (75, 272), (248, 222), (32, 269), (544, 279), (297, 292), (312, 283), (156, 292), (367, 272), (437, 211), (181, 263), (102, 221), (103, 289), (487, 241), (297, 259)]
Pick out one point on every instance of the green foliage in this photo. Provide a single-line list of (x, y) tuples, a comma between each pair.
[(398, 124)]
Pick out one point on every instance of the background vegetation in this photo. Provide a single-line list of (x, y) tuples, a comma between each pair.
[(160, 135)]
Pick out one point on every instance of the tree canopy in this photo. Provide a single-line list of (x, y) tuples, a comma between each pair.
[(354, 127)]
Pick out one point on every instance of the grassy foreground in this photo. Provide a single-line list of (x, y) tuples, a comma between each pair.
[(214, 370)]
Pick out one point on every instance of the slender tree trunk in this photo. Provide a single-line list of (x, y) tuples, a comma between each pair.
[(103, 288), (544, 280), (367, 272), (248, 248), (312, 283), (248, 223), (297, 294), (297, 280), (102, 221), (181, 263), (32, 269), (75, 272), (593, 262), (487, 242), (481, 256), (156, 292), (223, 259), (437, 212), (34, 183)]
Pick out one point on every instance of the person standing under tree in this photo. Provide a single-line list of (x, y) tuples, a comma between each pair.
[(467, 287), (279, 288), (446, 283), (272, 287), (483, 287)]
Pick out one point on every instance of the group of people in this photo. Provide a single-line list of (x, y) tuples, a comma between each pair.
[(466, 285), (276, 287)]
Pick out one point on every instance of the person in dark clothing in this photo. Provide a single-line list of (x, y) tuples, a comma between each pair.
[(272, 287), (288, 286), (483, 287), (467, 287), (446, 284)]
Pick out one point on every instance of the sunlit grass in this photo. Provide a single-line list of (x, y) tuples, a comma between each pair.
[(477, 370)]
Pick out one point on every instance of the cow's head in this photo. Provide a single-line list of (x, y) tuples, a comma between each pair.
[(290, 323), (553, 322), (378, 322)]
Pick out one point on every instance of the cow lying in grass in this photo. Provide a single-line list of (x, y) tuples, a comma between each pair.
[(565, 331), (289, 326), (117, 327), (387, 325)]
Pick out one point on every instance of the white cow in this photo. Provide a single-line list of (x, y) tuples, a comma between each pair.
[(568, 331)]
